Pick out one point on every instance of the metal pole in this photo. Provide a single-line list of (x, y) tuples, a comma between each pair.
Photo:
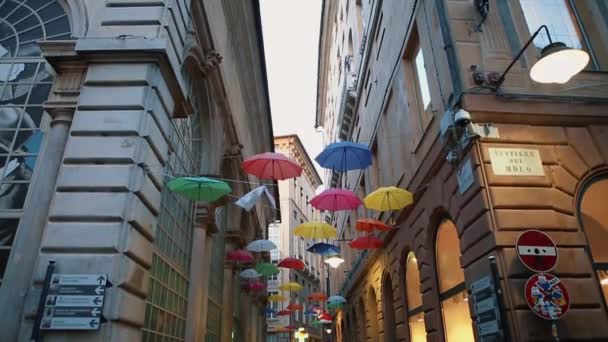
[(36, 336), (499, 298)]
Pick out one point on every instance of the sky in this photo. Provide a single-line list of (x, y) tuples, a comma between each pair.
[(291, 40)]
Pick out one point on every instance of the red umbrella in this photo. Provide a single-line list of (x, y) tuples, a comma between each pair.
[(317, 296), (284, 313), (336, 199), (256, 286), (240, 255), (325, 317), (292, 263), (290, 328), (366, 242), (294, 306), (271, 165), (368, 225)]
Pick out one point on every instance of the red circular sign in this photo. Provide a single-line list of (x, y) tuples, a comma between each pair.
[(546, 296), (537, 251)]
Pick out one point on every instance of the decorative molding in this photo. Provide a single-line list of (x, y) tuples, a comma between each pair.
[(210, 61)]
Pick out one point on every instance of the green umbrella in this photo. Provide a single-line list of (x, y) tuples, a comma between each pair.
[(266, 269), (316, 323), (199, 188), (334, 305)]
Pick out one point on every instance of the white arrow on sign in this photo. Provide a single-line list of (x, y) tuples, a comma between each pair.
[(95, 312), (99, 290)]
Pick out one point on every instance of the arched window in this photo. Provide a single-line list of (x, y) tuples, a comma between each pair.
[(593, 217), (388, 309), (372, 318), (415, 315), (25, 83), (452, 291)]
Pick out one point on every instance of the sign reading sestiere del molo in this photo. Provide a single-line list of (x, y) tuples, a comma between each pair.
[(516, 162)]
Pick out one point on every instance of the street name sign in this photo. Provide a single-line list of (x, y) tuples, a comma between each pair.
[(547, 296), (536, 251), (516, 162), (74, 302), (485, 307)]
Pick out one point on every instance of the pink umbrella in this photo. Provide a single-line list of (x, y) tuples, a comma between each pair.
[(240, 255), (272, 166), (256, 286), (336, 199)]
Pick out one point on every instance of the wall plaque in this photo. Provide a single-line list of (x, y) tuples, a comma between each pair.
[(516, 162)]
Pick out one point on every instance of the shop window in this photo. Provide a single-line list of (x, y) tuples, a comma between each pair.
[(415, 315), (593, 217), (452, 291)]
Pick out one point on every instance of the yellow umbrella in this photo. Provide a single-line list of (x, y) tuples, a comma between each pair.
[(315, 230), (276, 298), (293, 287), (388, 198)]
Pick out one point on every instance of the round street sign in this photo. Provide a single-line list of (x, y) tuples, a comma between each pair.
[(536, 251), (546, 296)]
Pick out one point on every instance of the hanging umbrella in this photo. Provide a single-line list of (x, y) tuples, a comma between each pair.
[(267, 269), (309, 312), (240, 255), (336, 199), (271, 165), (269, 311), (284, 313), (315, 230), (249, 273), (199, 188), (317, 296), (292, 287), (324, 249), (315, 323), (325, 318), (336, 299), (276, 298), (256, 286), (292, 263), (366, 242), (345, 155), (335, 305), (294, 307), (368, 225), (388, 198), (261, 246)]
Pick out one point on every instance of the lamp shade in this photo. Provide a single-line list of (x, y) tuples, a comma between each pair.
[(558, 64), (334, 261)]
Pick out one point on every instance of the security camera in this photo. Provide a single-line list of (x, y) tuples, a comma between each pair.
[(462, 118), (452, 157)]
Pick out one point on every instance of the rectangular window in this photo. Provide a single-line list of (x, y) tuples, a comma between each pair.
[(423, 83)]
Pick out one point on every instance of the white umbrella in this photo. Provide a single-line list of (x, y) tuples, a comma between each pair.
[(261, 246), (250, 273), (336, 299)]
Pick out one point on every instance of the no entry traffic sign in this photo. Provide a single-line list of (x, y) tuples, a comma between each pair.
[(536, 251), (546, 296)]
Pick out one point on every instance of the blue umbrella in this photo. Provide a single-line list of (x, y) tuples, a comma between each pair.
[(269, 311), (344, 156), (324, 249)]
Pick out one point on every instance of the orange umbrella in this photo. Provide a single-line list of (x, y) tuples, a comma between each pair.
[(368, 225), (366, 242), (294, 306), (317, 296)]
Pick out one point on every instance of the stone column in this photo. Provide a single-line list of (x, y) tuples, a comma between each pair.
[(22, 261), (232, 243)]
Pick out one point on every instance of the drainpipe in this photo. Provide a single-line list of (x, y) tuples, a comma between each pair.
[(449, 48)]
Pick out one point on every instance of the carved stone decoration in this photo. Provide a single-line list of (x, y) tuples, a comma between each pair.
[(211, 60)]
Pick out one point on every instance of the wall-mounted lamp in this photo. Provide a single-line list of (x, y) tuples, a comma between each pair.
[(334, 261), (557, 63)]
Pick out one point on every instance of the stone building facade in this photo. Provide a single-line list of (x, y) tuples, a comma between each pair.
[(295, 194), (391, 75), (107, 101)]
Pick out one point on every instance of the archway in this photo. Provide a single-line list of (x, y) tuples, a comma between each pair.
[(362, 328), (415, 313), (388, 309), (372, 304)]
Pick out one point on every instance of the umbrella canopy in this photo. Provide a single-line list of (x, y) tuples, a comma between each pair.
[(240, 255), (256, 286), (336, 199), (199, 188), (292, 286), (261, 246), (271, 165), (336, 299), (317, 296), (276, 298), (368, 225), (267, 269), (366, 242), (269, 311), (309, 312), (292, 263), (324, 317), (324, 249), (249, 273), (294, 306), (315, 230), (345, 155), (284, 313), (388, 198), (315, 323), (334, 305)]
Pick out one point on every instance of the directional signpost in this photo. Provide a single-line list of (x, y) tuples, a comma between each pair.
[(485, 306), (74, 302), (537, 251)]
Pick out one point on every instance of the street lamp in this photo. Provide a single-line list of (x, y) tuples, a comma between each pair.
[(334, 261), (557, 63)]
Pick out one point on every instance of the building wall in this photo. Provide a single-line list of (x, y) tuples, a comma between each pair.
[(565, 123), (143, 92)]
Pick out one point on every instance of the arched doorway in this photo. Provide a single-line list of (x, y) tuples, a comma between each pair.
[(388, 309), (457, 323), (362, 328), (415, 314), (372, 304)]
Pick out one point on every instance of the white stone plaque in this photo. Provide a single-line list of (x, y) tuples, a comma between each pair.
[(516, 162)]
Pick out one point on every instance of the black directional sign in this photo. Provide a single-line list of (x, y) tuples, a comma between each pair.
[(74, 302)]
